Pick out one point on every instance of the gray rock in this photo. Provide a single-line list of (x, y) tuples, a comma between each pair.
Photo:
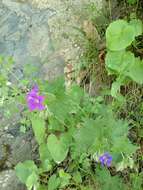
[(53, 68), (21, 150), (9, 181), (24, 34), (15, 147)]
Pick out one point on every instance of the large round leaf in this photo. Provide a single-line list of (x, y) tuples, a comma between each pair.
[(25, 170), (119, 61), (137, 25), (119, 35), (57, 148), (136, 71)]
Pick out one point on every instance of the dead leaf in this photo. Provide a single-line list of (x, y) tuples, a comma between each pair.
[(91, 31)]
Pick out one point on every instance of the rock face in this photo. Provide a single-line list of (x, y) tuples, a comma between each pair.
[(9, 181), (15, 147), (25, 35)]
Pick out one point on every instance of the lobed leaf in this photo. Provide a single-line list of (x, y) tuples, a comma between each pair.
[(136, 71), (119, 35)]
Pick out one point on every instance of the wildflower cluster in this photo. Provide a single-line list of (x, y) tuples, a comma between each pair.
[(34, 100), (105, 159), (77, 130)]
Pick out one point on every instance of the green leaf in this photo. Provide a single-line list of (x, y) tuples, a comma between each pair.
[(107, 182), (77, 177), (85, 136), (126, 162), (56, 87), (53, 182), (45, 158), (38, 125), (122, 144), (60, 107), (120, 129), (137, 25), (115, 89), (132, 2), (55, 124), (119, 61), (136, 180), (25, 169), (44, 152), (46, 166), (32, 181), (58, 149), (136, 71), (64, 177), (119, 35), (120, 141), (42, 187)]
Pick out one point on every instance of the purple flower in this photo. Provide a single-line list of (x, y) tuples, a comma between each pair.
[(105, 159), (34, 100)]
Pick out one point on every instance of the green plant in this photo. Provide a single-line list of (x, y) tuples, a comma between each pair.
[(8, 90), (72, 132), (132, 1), (82, 143), (120, 61), (136, 181)]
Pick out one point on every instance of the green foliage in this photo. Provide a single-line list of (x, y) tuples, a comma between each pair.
[(28, 173), (119, 35), (45, 158), (75, 129), (132, 2), (64, 178), (120, 62), (83, 142), (38, 126), (53, 182), (107, 182), (137, 25), (136, 71), (57, 148), (136, 181), (86, 128)]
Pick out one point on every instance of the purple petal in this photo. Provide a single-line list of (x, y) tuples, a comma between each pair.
[(41, 107), (35, 101), (41, 98), (108, 163), (101, 159), (105, 159), (35, 88), (32, 106)]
